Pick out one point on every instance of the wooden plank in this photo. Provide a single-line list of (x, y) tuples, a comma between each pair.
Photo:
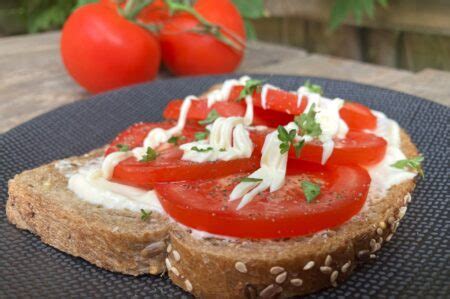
[(429, 83), (431, 16), (381, 46)]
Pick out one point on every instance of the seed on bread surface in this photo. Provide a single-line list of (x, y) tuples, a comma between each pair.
[(176, 255), (402, 212), (407, 198), (363, 253), (241, 267), (276, 270), (389, 237), (382, 224), (168, 264), (309, 265), (333, 278), (188, 285), (270, 291), (325, 269), (296, 282), (328, 260), (169, 248), (281, 277), (153, 249), (175, 271), (379, 231), (346, 266)]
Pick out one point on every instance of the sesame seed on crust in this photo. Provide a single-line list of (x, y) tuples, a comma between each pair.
[(328, 260), (379, 231), (176, 255), (402, 212), (309, 265), (383, 225), (363, 253), (241, 267), (281, 278), (346, 266), (188, 285), (270, 291), (169, 248), (389, 237), (296, 282), (276, 270), (333, 278), (175, 271), (168, 264), (325, 269)]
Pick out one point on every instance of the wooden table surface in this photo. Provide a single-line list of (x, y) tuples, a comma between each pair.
[(33, 79)]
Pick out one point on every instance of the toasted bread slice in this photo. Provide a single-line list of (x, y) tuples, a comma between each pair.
[(217, 268), (116, 240)]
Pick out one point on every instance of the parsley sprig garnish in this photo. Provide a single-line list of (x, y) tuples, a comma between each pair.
[(175, 139), (412, 163), (145, 215), (150, 155), (123, 147), (250, 180), (287, 139), (201, 135), (308, 124), (250, 87), (313, 87), (201, 150), (310, 190), (212, 116)]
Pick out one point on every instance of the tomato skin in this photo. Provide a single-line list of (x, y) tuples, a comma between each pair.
[(204, 205), (187, 53), (168, 166), (357, 148), (101, 50), (358, 116), (199, 110)]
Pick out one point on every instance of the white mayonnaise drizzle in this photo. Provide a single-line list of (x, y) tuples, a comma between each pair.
[(223, 93), (312, 97), (228, 139), (272, 170), (90, 185), (264, 91), (111, 161)]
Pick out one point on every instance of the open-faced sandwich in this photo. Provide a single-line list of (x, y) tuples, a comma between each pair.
[(246, 191)]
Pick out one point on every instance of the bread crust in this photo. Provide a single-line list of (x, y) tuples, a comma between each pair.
[(116, 240), (215, 268)]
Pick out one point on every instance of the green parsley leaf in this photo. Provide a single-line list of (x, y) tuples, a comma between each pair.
[(123, 147), (201, 150), (413, 163), (145, 215), (287, 139), (298, 147), (175, 139), (310, 190), (201, 135), (250, 87), (150, 155), (250, 180), (308, 124), (212, 116), (313, 87)]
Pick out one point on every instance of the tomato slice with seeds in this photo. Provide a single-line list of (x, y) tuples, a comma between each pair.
[(204, 204), (358, 116), (168, 166)]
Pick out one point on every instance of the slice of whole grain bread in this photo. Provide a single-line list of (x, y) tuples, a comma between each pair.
[(217, 268), (116, 240)]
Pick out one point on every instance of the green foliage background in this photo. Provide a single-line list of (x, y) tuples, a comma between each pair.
[(18, 16)]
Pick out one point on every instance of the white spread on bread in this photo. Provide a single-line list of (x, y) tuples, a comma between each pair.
[(90, 185)]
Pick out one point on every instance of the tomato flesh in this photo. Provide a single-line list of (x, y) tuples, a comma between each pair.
[(358, 116), (199, 110), (168, 166), (204, 204)]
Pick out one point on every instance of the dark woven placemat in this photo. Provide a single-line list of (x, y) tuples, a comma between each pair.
[(414, 264)]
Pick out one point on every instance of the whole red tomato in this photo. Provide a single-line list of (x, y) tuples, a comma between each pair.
[(102, 50), (187, 53)]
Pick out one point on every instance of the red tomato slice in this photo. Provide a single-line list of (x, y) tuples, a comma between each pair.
[(355, 115), (357, 148), (168, 166), (204, 204), (358, 116), (199, 110)]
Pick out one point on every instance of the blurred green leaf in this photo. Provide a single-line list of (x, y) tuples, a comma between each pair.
[(250, 9), (357, 8), (84, 2), (250, 30), (46, 14)]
